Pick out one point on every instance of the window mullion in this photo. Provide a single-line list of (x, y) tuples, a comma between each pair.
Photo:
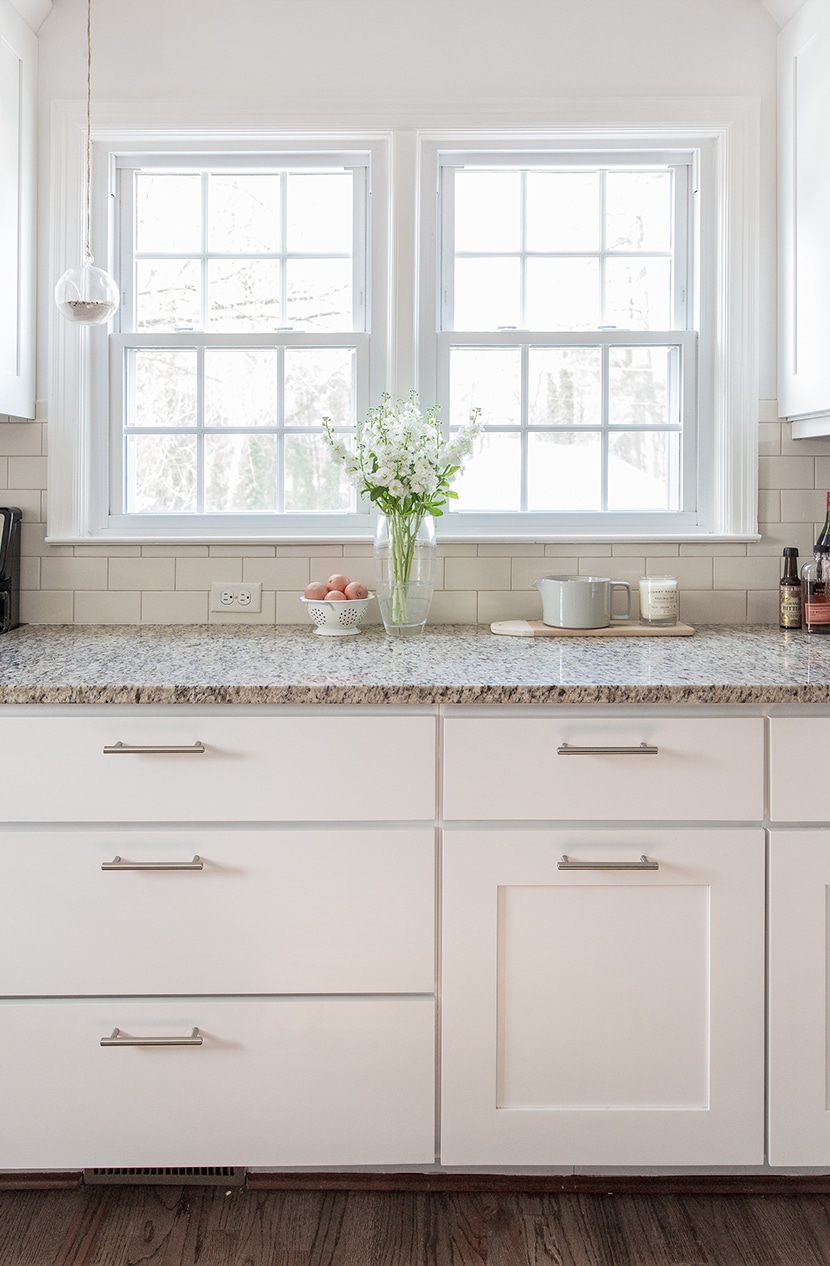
[(605, 435), (524, 437), (200, 430), (204, 269), (281, 436), (603, 246)]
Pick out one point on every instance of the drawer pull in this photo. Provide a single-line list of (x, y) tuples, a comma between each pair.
[(117, 1038), (118, 863), (568, 749), (155, 749), (565, 863)]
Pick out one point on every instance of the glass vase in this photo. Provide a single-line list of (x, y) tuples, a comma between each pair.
[(404, 571)]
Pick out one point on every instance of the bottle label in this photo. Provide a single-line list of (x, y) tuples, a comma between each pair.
[(817, 612), (790, 616)]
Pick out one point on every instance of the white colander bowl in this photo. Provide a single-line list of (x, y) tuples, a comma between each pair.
[(337, 619)]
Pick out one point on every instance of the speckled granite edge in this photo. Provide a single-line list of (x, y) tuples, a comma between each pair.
[(367, 695), (451, 664)]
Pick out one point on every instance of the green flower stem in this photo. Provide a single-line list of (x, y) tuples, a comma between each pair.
[(403, 530)]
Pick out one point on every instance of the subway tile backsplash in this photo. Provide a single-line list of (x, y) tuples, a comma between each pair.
[(169, 584)]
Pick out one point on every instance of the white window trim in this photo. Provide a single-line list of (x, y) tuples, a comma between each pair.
[(79, 469), (728, 367), (731, 125)]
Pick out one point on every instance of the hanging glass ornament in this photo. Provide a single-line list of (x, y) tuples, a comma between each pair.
[(87, 295)]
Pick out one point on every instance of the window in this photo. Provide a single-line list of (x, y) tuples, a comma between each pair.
[(592, 289), (567, 310), (244, 321), (566, 296)]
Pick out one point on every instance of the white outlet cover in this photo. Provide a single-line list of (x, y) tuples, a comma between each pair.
[(246, 599)]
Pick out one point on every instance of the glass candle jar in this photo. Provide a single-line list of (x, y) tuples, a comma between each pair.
[(658, 600)]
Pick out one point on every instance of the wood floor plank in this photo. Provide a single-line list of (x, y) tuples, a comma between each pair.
[(209, 1226)]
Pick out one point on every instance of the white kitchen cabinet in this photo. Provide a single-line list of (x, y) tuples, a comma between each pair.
[(276, 1081), (257, 890), (799, 1014), (799, 786), (580, 765), (292, 767), (258, 911), (804, 195), (602, 1016), (18, 212)]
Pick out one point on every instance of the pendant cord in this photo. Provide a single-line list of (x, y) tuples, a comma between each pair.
[(88, 242)]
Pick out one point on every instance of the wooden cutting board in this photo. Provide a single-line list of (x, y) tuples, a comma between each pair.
[(620, 628)]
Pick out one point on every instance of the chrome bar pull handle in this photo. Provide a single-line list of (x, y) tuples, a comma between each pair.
[(155, 749), (118, 863), (572, 749), (118, 1038), (565, 863)]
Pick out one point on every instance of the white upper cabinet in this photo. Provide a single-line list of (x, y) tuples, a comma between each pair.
[(18, 88), (804, 196)]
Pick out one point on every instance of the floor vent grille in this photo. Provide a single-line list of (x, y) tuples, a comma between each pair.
[(196, 1175)]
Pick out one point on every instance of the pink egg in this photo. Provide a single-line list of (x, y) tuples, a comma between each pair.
[(356, 590), (335, 595), (338, 582), (316, 590)]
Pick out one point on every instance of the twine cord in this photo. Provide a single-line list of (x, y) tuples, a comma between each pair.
[(88, 240)]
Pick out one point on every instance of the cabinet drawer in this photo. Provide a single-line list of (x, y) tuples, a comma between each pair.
[(279, 1081), (799, 790), (706, 769), (265, 768), (294, 911)]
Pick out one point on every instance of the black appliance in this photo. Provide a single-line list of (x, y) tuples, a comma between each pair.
[(10, 518)]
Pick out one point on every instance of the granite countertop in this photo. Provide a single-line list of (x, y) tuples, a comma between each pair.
[(202, 664)]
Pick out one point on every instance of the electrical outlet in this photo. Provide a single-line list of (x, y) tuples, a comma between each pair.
[(241, 599)]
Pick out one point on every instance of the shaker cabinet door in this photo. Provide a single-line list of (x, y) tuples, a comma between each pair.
[(603, 1016), (799, 1013)]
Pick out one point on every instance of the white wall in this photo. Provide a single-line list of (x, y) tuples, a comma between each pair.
[(435, 62)]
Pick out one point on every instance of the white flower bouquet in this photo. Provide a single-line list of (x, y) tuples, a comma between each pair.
[(401, 460), (404, 465)]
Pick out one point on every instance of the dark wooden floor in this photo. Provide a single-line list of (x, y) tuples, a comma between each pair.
[(209, 1226)]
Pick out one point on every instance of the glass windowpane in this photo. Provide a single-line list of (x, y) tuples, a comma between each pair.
[(643, 470), (240, 473), (244, 295), (168, 213), (564, 386), (638, 294), (489, 379), (638, 386), (562, 211), (168, 295), (491, 480), (319, 294), (638, 210), (564, 472), (312, 480), (165, 388), (488, 211), (161, 474), (240, 387), (487, 294), (319, 382), (243, 213), (320, 213), (562, 294)]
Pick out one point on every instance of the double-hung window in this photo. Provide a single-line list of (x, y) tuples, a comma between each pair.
[(592, 289), (567, 310), (246, 318)]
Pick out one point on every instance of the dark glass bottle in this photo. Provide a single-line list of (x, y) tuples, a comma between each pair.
[(815, 591), (824, 534), (789, 592)]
